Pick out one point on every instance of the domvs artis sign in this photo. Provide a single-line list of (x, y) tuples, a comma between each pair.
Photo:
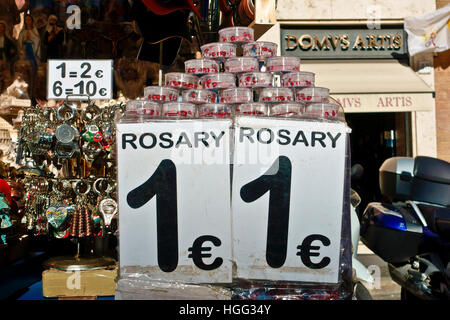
[(344, 43)]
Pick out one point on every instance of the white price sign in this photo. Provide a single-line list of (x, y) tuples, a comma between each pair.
[(287, 199), (80, 77), (174, 200)]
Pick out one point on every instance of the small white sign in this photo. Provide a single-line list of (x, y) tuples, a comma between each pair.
[(287, 199), (174, 200), (80, 77)]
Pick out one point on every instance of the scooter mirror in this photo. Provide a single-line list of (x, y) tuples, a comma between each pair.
[(355, 199)]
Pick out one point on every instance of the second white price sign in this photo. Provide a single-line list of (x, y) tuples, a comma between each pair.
[(288, 184)]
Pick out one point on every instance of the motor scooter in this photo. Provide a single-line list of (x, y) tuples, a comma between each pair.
[(411, 229)]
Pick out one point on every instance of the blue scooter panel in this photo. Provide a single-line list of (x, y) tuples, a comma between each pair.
[(392, 233)]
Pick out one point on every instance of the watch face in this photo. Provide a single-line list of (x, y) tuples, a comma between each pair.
[(65, 133)]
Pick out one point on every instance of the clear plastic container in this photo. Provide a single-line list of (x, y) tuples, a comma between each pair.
[(199, 96), (287, 110), (283, 64), (322, 110), (179, 110), (161, 94), (255, 80), (312, 95), (241, 64), (299, 79), (236, 95), (181, 80), (218, 50), (201, 66), (214, 110), (218, 81), (276, 95), (260, 49), (254, 109), (236, 35), (138, 110)]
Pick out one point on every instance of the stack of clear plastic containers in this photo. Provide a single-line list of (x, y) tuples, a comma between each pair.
[(238, 76)]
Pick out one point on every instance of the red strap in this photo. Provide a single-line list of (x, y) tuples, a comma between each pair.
[(162, 8)]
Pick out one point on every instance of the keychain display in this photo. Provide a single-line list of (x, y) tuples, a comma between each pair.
[(63, 152)]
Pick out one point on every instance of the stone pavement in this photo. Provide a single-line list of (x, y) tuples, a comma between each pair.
[(387, 289)]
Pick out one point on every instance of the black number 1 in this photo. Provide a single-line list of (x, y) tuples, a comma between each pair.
[(279, 185), (62, 66), (163, 184)]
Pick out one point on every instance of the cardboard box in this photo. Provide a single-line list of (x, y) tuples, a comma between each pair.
[(89, 283)]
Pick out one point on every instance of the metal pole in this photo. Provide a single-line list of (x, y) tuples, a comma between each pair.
[(160, 63)]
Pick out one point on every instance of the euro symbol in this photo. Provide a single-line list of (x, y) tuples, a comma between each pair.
[(306, 254), (103, 92), (99, 74), (197, 254)]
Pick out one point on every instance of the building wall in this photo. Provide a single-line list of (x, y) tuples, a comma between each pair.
[(354, 9), (430, 133), (442, 85)]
